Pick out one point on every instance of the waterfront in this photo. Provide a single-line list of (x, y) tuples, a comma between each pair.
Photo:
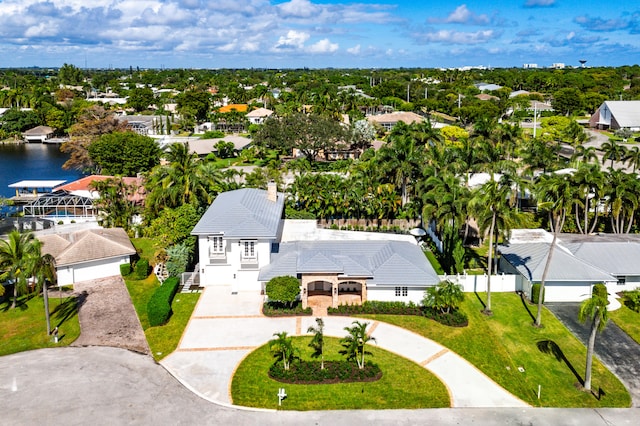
[(32, 161)]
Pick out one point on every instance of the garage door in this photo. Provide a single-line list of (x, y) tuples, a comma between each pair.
[(566, 292)]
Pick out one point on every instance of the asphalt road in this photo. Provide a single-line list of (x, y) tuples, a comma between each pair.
[(619, 352), (109, 386)]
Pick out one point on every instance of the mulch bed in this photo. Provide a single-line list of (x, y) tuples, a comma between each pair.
[(310, 373)]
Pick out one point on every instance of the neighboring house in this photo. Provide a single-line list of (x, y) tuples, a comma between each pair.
[(258, 116), (202, 147), (244, 242), (83, 187), (145, 125), (233, 107), (487, 97), (616, 115), (89, 254), (490, 87), (578, 262), (38, 134), (391, 119)]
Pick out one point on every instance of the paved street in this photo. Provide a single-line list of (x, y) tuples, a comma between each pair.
[(619, 352), (109, 386)]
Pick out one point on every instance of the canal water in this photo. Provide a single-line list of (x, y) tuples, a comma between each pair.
[(32, 161)]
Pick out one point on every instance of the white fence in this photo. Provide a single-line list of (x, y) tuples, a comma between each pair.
[(501, 283)]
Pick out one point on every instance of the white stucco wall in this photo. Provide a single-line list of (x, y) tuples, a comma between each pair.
[(388, 294), (102, 268)]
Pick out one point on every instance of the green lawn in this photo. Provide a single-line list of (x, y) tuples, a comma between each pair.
[(628, 321), (24, 328), (162, 339), (499, 344), (404, 384)]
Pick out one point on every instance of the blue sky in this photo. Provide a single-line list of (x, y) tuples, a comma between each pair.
[(317, 34)]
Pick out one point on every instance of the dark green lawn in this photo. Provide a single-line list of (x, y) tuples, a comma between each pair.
[(24, 328), (628, 321), (404, 384), (499, 344)]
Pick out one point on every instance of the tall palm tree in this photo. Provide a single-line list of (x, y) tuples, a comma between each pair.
[(613, 151), (16, 254), (589, 186), (490, 205), (317, 342), (594, 309), (555, 193), (586, 154), (283, 349), (623, 200), (633, 158), (354, 343), (44, 271)]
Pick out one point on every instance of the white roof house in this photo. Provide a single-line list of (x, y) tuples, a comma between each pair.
[(616, 115), (258, 116)]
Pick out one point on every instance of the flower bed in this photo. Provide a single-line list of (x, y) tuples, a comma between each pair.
[(455, 318), (309, 372)]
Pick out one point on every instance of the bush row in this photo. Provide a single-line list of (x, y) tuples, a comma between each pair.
[(454, 318), (277, 309), (309, 372), (159, 306), (141, 270), (632, 300), (125, 269)]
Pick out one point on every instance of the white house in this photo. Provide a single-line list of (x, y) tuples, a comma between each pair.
[(258, 116), (89, 254), (578, 262), (38, 134), (243, 241), (616, 115)]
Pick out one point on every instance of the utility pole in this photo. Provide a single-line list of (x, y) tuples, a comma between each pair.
[(408, 85), (535, 118)]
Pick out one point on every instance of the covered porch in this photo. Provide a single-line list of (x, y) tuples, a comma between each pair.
[(331, 291)]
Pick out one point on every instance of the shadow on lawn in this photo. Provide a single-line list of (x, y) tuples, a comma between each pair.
[(526, 306), (68, 308), (551, 347), (484, 306)]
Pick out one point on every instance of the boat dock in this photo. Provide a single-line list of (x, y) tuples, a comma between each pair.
[(30, 190)]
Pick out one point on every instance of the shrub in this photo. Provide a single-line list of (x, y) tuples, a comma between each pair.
[(377, 307), (310, 372), (125, 269), (142, 269), (283, 289), (535, 291), (278, 309), (632, 300), (454, 318), (159, 305)]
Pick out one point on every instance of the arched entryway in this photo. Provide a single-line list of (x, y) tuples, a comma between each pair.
[(350, 293)]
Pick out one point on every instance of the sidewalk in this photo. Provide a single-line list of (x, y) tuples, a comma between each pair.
[(224, 328)]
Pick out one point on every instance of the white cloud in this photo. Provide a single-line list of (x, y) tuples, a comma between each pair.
[(298, 9), (462, 15), (457, 37), (293, 40), (323, 46), (355, 50)]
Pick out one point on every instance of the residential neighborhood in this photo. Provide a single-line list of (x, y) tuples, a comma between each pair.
[(432, 238)]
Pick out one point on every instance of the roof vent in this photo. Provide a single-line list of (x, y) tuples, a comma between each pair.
[(272, 191)]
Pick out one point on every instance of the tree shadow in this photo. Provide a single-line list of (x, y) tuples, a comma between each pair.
[(21, 302), (68, 308), (551, 347), (526, 306), (484, 306)]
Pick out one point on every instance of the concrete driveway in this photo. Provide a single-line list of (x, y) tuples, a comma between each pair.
[(110, 386), (218, 337), (619, 352)]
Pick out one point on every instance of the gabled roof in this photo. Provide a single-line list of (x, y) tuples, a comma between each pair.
[(260, 112), (39, 131), (83, 187), (393, 117), (233, 107), (383, 263), (626, 113), (530, 259), (243, 213), (85, 246)]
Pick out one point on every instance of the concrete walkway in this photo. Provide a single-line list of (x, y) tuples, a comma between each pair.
[(224, 328)]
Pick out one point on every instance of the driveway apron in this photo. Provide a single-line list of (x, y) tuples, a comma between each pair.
[(617, 351)]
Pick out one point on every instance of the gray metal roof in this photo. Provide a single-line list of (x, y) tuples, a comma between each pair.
[(626, 113), (530, 258), (617, 258), (243, 213), (383, 263)]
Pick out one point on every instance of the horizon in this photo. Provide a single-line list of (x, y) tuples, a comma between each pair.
[(298, 34)]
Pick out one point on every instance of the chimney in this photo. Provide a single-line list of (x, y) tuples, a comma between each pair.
[(272, 191)]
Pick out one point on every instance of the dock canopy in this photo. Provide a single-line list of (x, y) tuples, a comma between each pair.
[(30, 189)]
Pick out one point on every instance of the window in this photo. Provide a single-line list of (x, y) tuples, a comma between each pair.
[(216, 245), (402, 291), (622, 280), (249, 249)]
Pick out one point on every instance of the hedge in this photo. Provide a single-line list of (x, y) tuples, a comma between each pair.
[(142, 269), (278, 309), (455, 318), (309, 372), (159, 306), (535, 291), (125, 269)]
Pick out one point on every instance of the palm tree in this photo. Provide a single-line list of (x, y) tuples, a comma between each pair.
[(444, 297), (491, 208), (622, 191), (613, 151), (317, 343), (16, 254), (555, 193), (589, 181), (586, 154), (354, 343), (283, 349), (633, 158), (594, 309), (44, 271)]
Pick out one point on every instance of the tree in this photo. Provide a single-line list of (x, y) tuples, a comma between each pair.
[(44, 271), (173, 226), (317, 342), (16, 261), (446, 296), (354, 343), (283, 289), (124, 153), (225, 149), (595, 310), (140, 98), (613, 151), (115, 202), (194, 104), (283, 349), (70, 74), (567, 101), (555, 193)]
